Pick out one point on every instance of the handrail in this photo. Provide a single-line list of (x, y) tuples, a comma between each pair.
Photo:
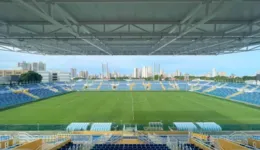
[(244, 145), (204, 144)]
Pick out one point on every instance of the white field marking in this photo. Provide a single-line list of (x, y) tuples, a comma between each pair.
[(133, 105)]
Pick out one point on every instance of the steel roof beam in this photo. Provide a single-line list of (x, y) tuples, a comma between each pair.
[(114, 35), (190, 15), (243, 38), (132, 1), (117, 22), (17, 26), (212, 15), (66, 14), (50, 19)]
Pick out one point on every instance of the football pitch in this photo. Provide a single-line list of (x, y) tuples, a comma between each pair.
[(131, 107)]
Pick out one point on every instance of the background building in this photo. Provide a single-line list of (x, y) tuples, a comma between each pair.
[(156, 69), (55, 76), (135, 74), (24, 65), (105, 71), (214, 72), (45, 76), (222, 74), (4, 73), (73, 72), (41, 66), (35, 66), (177, 73), (147, 72), (83, 74)]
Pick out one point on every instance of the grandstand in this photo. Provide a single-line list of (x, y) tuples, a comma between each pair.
[(130, 114), (103, 129), (13, 96)]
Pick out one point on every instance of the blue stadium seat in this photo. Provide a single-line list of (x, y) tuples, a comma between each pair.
[(9, 99), (130, 147), (223, 92)]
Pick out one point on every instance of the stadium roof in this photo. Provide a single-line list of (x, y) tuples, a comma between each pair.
[(129, 27)]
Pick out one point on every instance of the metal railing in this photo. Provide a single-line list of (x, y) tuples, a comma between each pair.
[(139, 127)]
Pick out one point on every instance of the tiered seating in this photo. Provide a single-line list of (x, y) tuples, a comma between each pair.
[(4, 89), (185, 126), (167, 86), (42, 93), (156, 86), (130, 147), (4, 137), (222, 92), (101, 127), (235, 85), (106, 86), (209, 126), (249, 97), (203, 88), (123, 86), (15, 87), (9, 98), (183, 85), (94, 86), (187, 146), (30, 86), (203, 82), (251, 86), (71, 146), (77, 126), (60, 89), (145, 139), (256, 137), (213, 83), (12, 99), (114, 138), (138, 86)]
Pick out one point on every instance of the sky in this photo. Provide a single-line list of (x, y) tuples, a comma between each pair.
[(247, 63)]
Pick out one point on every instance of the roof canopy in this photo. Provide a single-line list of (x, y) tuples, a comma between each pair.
[(129, 27)]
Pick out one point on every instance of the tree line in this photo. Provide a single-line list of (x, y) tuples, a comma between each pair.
[(30, 77)]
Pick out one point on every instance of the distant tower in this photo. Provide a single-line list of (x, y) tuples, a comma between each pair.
[(156, 69), (214, 72), (73, 72), (105, 71)]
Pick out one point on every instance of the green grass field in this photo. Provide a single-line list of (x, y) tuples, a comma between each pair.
[(131, 107)]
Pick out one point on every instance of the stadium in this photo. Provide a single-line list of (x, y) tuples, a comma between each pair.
[(130, 114)]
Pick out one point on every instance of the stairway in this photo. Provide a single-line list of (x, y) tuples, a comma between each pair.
[(243, 88), (195, 88), (131, 86), (162, 86), (53, 89), (210, 89), (255, 88), (235, 94), (176, 85), (30, 94), (12, 90), (66, 89), (147, 86), (214, 87), (49, 88), (100, 84)]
